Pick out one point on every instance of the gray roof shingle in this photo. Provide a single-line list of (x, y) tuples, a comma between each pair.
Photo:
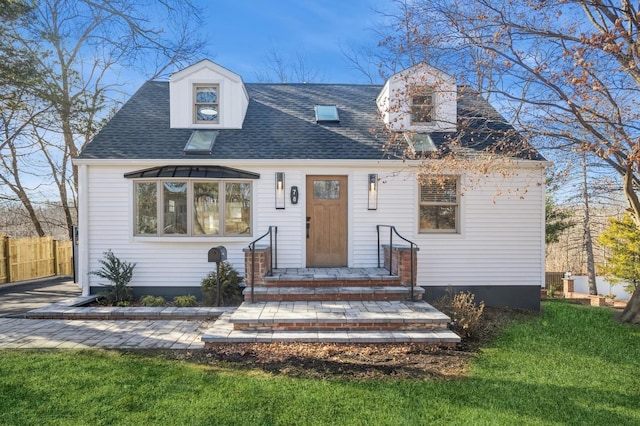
[(279, 124)]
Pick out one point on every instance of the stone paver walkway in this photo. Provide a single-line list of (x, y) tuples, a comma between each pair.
[(17, 333)]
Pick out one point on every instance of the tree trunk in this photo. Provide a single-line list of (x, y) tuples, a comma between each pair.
[(588, 240), (631, 313)]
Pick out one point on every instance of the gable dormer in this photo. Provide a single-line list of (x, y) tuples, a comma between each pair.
[(207, 96), (420, 99)]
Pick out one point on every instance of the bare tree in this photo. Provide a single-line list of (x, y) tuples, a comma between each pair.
[(284, 69), (88, 45), (567, 72), (586, 226)]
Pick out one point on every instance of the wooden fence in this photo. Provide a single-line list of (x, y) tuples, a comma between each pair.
[(29, 258), (553, 278)]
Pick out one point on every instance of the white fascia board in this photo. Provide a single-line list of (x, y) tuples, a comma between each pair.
[(222, 162), (279, 162)]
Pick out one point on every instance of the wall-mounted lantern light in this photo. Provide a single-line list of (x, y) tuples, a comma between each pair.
[(373, 192), (280, 196)]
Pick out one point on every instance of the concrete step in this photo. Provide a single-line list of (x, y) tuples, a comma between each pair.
[(223, 332), (338, 316), (331, 277), (284, 294), (290, 281)]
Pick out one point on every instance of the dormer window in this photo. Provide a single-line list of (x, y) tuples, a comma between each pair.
[(422, 107), (206, 104)]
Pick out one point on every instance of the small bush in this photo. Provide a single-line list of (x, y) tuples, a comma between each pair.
[(185, 301), (553, 288), (153, 301), (465, 314), (230, 290), (119, 274)]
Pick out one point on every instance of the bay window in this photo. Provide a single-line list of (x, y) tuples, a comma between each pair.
[(192, 208)]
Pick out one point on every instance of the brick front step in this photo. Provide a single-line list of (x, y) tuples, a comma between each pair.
[(379, 293), (339, 326), (277, 281), (338, 316), (437, 338), (223, 332)]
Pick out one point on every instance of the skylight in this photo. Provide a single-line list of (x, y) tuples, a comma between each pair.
[(327, 114), (420, 142), (201, 142)]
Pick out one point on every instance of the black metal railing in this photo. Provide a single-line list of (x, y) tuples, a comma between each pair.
[(273, 255), (412, 245)]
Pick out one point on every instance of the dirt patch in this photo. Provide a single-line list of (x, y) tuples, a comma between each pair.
[(357, 361)]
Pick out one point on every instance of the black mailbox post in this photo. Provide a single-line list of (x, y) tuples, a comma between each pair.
[(217, 254)]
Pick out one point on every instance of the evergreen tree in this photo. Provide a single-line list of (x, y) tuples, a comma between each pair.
[(622, 239)]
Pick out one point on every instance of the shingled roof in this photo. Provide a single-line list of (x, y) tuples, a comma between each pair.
[(280, 124)]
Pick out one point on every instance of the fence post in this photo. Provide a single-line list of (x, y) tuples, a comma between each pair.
[(56, 254), (3, 262), (7, 257)]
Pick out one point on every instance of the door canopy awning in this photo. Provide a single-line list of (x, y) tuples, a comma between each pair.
[(202, 172)]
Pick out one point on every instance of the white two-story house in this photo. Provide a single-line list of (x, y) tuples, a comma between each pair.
[(206, 160)]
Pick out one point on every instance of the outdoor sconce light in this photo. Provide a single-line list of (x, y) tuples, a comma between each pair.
[(373, 192), (280, 196)]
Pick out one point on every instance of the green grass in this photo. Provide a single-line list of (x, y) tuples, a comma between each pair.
[(572, 365)]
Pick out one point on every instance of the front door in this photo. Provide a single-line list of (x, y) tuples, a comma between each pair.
[(326, 221)]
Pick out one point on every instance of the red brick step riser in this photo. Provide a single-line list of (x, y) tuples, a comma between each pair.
[(332, 297), (332, 326), (275, 282)]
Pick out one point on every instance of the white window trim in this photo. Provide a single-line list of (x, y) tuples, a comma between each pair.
[(194, 103), (458, 204), (190, 199), (434, 103)]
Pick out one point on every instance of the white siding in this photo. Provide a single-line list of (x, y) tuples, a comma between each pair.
[(501, 239)]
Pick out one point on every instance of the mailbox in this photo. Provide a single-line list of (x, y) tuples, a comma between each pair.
[(217, 254)]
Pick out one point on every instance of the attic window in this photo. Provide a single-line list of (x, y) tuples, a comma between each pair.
[(420, 142), (206, 104), (201, 142), (422, 106), (327, 114)]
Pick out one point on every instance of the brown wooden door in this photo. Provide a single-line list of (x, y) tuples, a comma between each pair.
[(326, 221)]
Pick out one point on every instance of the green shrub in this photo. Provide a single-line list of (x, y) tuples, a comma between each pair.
[(119, 274), (230, 290), (153, 301), (465, 314), (185, 301), (553, 288)]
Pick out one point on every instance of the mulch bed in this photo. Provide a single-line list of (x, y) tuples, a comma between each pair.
[(356, 361)]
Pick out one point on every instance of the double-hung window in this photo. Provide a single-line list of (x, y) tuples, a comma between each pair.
[(423, 106), (188, 207), (439, 205), (206, 105)]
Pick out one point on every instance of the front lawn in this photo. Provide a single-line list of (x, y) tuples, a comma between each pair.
[(572, 365)]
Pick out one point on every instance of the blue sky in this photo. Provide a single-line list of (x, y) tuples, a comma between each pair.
[(242, 32)]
